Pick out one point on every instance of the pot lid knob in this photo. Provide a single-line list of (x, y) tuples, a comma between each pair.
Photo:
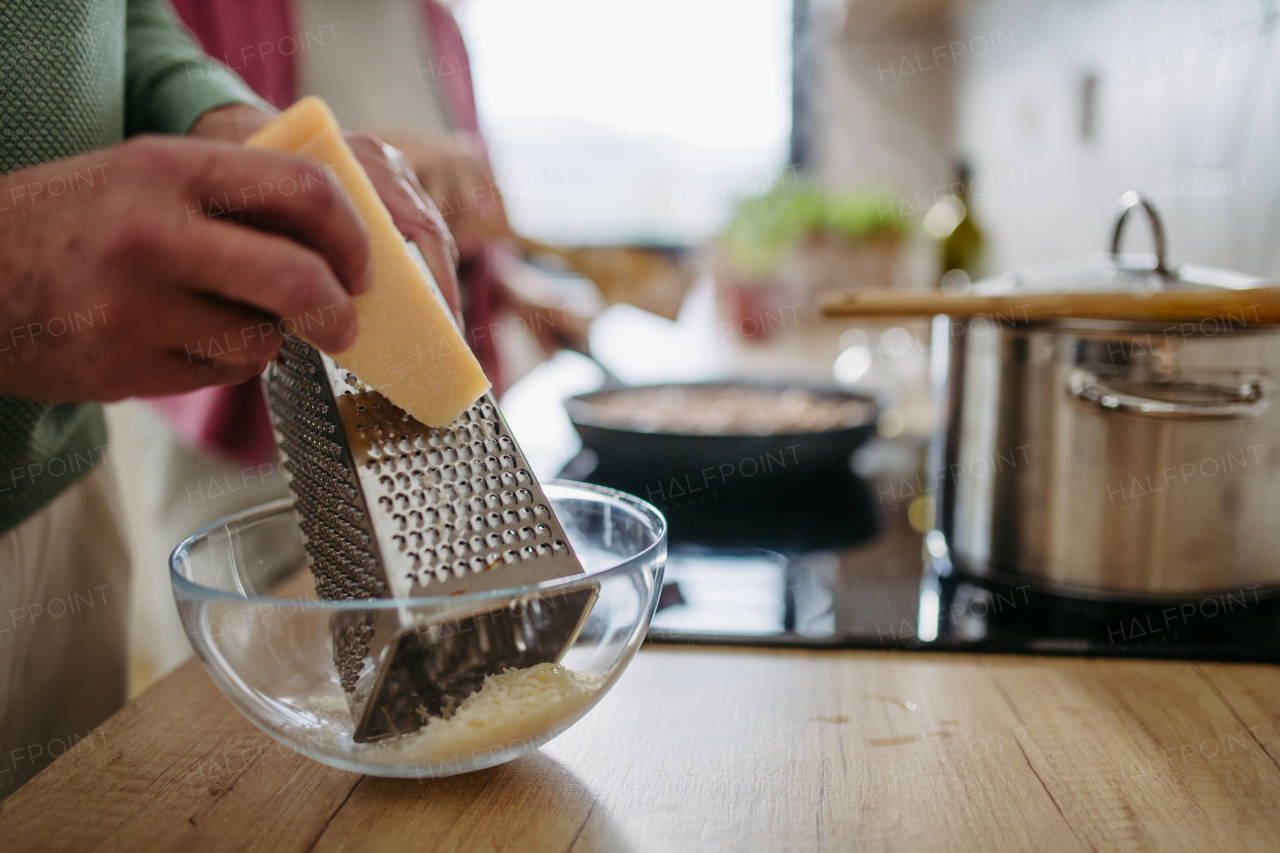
[(1127, 203)]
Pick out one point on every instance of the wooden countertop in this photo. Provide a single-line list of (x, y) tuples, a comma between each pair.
[(710, 750)]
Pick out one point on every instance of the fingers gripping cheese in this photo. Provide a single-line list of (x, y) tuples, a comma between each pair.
[(407, 347)]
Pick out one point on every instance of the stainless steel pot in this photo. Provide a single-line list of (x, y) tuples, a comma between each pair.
[(1111, 460)]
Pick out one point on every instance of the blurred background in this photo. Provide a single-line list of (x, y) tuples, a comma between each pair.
[(645, 122), (682, 179)]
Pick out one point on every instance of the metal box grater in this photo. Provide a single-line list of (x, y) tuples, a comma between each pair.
[(390, 507)]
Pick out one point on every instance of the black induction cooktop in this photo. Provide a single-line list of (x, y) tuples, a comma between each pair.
[(834, 562)]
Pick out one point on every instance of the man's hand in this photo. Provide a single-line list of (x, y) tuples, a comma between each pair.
[(411, 211), (393, 177), (178, 265), (232, 123), (457, 180)]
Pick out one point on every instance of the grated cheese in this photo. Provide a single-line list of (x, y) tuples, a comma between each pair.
[(515, 706)]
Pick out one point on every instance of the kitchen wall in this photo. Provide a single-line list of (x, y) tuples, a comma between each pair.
[(876, 119), (1060, 107)]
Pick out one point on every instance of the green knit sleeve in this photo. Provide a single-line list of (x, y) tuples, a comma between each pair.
[(169, 81)]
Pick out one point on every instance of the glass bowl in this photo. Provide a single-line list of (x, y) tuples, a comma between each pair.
[(248, 604)]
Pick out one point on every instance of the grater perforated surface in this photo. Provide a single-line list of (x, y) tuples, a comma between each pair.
[(392, 508)]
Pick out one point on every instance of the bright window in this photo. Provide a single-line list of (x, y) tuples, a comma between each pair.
[(630, 121)]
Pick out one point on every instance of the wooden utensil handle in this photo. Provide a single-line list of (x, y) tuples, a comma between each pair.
[(1252, 307)]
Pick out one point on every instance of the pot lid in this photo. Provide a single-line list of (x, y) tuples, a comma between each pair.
[(1116, 271)]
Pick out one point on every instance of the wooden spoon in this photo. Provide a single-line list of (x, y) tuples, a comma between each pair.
[(1249, 307)]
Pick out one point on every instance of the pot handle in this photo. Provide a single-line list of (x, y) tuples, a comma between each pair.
[(1127, 203), (1253, 398)]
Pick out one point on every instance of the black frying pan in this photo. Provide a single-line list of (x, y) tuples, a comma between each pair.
[(721, 458), (783, 490)]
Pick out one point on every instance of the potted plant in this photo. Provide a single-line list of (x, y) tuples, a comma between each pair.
[(783, 248)]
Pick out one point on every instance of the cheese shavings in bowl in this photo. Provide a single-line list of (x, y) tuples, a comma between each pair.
[(273, 658), (515, 706)]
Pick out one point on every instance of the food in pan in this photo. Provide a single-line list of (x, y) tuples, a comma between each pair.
[(724, 410)]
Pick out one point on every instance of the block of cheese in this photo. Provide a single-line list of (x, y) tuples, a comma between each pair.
[(408, 347)]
